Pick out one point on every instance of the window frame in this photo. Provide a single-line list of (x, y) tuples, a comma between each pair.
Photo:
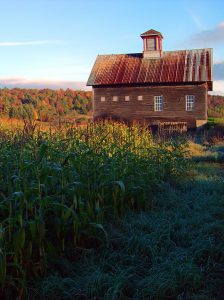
[(158, 103), (190, 102)]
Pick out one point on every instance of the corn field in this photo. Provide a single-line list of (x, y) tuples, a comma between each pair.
[(56, 187)]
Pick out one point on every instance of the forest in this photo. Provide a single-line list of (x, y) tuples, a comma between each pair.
[(44, 105)]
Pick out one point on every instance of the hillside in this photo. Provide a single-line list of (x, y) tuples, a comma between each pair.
[(44, 104)]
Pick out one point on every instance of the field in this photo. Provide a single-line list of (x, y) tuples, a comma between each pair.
[(111, 212)]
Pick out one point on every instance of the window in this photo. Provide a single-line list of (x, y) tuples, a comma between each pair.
[(140, 98), (150, 44), (115, 98), (102, 99), (127, 98), (158, 103), (190, 101)]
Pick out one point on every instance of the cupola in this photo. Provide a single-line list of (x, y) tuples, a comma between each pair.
[(152, 44)]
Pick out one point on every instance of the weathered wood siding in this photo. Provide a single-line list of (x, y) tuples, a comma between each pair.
[(174, 103)]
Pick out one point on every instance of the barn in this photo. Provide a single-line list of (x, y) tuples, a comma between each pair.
[(153, 86)]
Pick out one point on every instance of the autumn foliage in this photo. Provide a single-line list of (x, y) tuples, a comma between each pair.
[(44, 105)]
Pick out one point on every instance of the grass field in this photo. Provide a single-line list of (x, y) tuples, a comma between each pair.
[(108, 212)]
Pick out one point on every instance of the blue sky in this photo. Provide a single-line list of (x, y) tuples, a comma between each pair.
[(56, 41)]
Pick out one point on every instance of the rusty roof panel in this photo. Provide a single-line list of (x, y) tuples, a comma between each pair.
[(174, 66)]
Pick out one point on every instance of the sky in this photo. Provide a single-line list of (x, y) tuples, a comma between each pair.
[(54, 43)]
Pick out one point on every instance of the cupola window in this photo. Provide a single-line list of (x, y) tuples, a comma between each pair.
[(150, 44)]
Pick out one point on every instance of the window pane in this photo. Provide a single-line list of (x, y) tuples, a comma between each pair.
[(150, 44), (158, 103), (115, 98), (102, 99), (140, 98), (190, 102)]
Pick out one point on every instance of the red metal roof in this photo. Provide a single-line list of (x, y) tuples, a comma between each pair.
[(151, 32), (174, 67)]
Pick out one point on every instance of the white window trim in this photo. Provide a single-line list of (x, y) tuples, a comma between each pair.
[(126, 98), (140, 98), (190, 102), (115, 98), (102, 99), (158, 103)]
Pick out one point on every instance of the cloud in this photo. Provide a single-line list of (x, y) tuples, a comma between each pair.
[(30, 43), (41, 84), (209, 37), (218, 70), (218, 87)]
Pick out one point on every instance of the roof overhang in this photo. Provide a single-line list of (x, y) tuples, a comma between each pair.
[(120, 85)]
